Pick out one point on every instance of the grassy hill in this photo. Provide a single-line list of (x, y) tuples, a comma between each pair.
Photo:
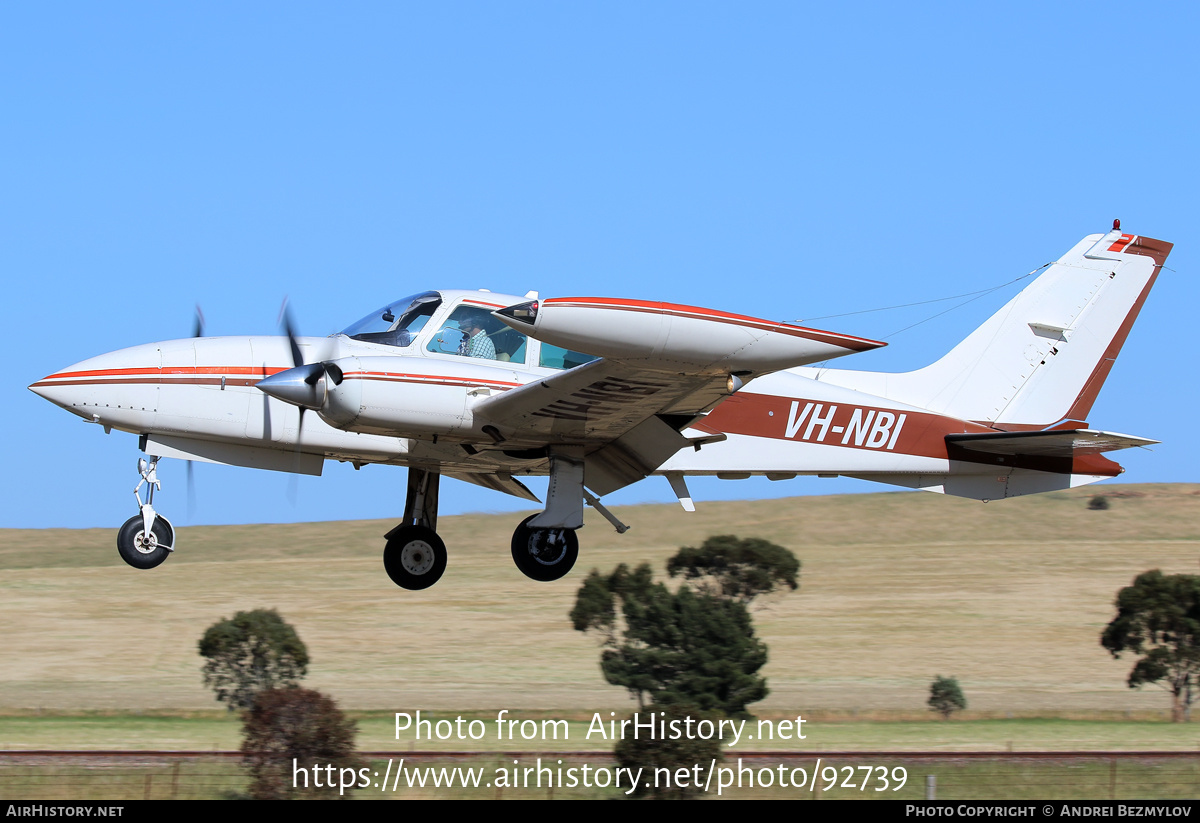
[(1009, 597)]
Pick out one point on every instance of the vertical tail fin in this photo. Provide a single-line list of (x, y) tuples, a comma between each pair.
[(1043, 357)]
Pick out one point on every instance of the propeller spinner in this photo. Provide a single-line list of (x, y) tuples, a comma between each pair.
[(305, 384)]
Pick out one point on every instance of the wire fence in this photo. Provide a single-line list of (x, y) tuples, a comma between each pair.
[(125, 776)]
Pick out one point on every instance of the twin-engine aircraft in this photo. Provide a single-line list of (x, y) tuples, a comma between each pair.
[(599, 393)]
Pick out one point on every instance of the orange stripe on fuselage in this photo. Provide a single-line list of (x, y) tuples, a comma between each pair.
[(132, 381), (259, 371), (211, 375), (447, 380)]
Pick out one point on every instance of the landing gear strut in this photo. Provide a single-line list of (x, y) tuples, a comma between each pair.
[(544, 546), (146, 539), (415, 557)]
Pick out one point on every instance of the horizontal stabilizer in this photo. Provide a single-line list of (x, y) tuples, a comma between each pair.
[(1047, 443)]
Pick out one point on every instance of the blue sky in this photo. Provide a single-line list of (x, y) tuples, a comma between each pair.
[(783, 160)]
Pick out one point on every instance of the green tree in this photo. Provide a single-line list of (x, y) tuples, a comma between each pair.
[(1158, 617), (691, 647), (687, 648), (594, 607), (740, 569), (945, 696), (685, 752), (297, 743), (249, 653)]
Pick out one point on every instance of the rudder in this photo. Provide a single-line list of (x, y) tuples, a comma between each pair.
[(1043, 357)]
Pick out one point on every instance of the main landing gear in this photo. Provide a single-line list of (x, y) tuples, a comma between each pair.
[(415, 556), (146, 539), (544, 546), (544, 554)]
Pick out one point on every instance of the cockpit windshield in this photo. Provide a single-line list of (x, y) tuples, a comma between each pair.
[(397, 323)]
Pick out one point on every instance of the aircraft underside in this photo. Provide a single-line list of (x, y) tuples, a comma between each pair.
[(545, 546)]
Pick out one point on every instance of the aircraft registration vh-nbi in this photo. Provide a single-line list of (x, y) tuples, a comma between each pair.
[(599, 393)]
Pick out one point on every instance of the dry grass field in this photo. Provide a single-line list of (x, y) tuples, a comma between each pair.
[(1009, 597)]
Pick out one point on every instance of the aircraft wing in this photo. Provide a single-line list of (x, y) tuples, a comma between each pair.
[(661, 366), (627, 418), (1069, 443)]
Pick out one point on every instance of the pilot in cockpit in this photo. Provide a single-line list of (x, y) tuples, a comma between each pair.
[(475, 342)]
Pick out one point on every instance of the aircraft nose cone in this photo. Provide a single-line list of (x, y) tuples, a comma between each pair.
[(303, 386), (52, 390), (99, 382)]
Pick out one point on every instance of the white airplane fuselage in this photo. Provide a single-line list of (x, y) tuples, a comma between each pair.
[(204, 389), (196, 399)]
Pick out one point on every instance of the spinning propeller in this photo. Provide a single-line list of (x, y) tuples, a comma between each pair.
[(198, 327), (197, 331), (305, 384)]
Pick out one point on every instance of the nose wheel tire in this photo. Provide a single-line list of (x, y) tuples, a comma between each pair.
[(544, 554), (142, 551), (414, 557)]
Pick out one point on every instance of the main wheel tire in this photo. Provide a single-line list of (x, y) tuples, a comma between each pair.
[(140, 552), (414, 557), (544, 554)]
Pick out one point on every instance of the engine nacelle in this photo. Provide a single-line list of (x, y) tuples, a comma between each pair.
[(397, 396)]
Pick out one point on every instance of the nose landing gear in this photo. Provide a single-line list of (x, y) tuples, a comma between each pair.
[(146, 539), (144, 550)]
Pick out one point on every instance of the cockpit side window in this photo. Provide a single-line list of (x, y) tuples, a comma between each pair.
[(397, 323), (556, 357), (473, 332)]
